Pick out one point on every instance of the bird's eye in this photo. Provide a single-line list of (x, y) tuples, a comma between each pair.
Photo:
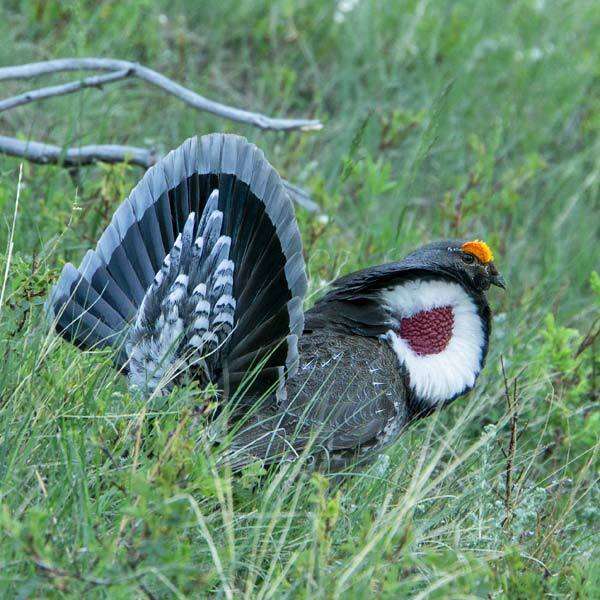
[(468, 258)]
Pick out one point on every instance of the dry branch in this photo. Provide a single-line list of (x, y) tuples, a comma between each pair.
[(49, 154), (590, 337), (195, 100), (42, 153), (96, 81), (512, 403)]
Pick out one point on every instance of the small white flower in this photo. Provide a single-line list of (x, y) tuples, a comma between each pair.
[(536, 54), (343, 8), (347, 6)]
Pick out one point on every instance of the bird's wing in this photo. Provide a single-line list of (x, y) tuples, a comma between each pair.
[(349, 424), (346, 395), (345, 401)]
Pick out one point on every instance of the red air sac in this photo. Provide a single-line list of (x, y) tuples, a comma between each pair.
[(428, 331)]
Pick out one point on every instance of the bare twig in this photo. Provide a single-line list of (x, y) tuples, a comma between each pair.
[(590, 337), (191, 98), (513, 409), (301, 197), (53, 571), (96, 81), (462, 194), (49, 154), (42, 153)]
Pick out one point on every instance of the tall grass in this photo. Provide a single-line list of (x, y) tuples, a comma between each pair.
[(442, 119)]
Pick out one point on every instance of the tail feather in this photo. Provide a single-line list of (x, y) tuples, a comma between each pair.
[(254, 357), (93, 270), (133, 243), (81, 315), (260, 336), (149, 229), (112, 254), (202, 263)]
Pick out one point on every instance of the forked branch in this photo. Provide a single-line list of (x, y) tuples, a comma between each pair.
[(118, 70), (96, 81), (154, 78)]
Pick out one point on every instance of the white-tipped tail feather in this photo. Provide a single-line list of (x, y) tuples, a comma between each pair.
[(191, 325)]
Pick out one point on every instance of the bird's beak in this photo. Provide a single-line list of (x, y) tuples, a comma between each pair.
[(498, 280), (495, 277)]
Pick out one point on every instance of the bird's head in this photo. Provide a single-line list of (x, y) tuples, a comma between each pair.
[(430, 307), (470, 263)]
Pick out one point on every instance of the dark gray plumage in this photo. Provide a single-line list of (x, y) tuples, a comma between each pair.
[(200, 273), (347, 401)]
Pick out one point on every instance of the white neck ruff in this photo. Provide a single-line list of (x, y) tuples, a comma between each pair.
[(435, 378)]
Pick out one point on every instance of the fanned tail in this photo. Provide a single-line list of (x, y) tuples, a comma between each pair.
[(200, 271)]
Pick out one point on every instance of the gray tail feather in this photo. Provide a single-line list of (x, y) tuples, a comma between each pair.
[(212, 223)]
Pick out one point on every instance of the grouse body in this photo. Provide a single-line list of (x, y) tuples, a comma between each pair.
[(200, 274)]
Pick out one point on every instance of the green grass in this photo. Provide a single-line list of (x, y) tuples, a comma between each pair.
[(464, 118)]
